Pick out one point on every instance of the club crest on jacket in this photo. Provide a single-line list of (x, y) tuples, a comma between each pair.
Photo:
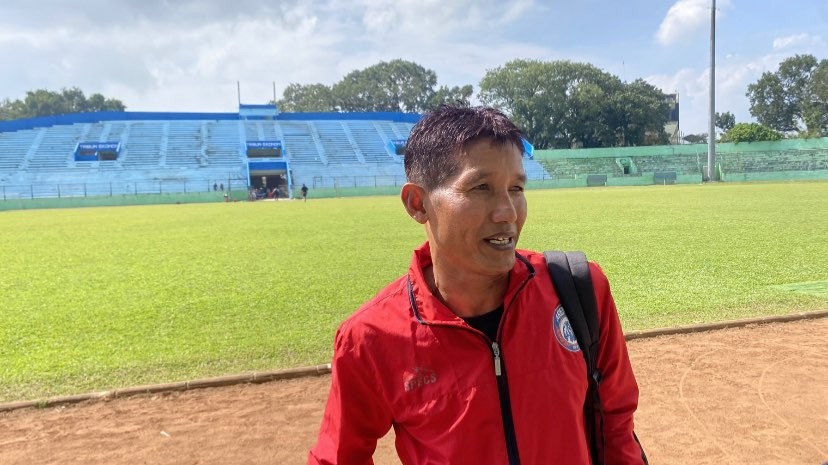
[(563, 331)]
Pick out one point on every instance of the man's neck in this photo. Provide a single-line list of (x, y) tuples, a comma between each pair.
[(466, 296)]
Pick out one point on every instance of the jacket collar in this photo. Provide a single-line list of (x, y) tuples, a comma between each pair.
[(427, 309)]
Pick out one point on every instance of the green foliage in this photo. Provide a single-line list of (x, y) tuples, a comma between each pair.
[(696, 138), (451, 95), (310, 97), (42, 102), (98, 298), (640, 113), (560, 104), (725, 121), (750, 132), (393, 86), (794, 98), (397, 85)]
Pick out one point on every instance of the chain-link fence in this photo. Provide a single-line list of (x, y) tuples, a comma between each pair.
[(124, 188), (344, 182)]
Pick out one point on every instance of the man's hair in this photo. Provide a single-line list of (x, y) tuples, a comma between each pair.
[(432, 154)]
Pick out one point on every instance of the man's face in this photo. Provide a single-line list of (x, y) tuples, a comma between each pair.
[(475, 218)]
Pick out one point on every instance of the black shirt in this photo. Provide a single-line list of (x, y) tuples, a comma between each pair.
[(487, 323)]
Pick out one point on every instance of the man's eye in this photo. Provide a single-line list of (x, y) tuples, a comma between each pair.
[(482, 187), (517, 188)]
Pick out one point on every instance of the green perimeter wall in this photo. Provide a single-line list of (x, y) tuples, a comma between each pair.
[(687, 149), (784, 160)]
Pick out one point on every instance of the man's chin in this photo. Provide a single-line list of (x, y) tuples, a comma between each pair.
[(501, 265)]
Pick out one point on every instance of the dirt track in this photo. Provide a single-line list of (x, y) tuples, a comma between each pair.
[(756, 395)]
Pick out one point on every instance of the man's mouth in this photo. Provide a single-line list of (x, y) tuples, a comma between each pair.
[(501, 241)]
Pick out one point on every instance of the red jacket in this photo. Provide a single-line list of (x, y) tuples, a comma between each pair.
[(405, 360)]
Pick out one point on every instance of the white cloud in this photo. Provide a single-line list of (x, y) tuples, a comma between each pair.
[(795, 40), (733, 75), (187, 56), (686, 17)]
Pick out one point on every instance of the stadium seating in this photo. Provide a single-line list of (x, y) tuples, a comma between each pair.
[(177, 155), (679, 163), (371, 142), (186, 152), (56, 149), (300, 145), (756, 162), (145, 145), (13, 149), (571, 167), (338, 148)]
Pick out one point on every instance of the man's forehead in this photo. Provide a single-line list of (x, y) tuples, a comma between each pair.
[(486, 142)]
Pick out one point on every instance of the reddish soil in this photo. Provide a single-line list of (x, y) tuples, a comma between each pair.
[(755, 395)]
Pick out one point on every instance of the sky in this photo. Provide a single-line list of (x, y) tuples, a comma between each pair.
[(186, 55)]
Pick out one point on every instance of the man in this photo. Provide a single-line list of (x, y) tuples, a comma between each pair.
[(304, 192), (460, 355)]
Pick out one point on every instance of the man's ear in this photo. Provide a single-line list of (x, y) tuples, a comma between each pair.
[(413, 199)]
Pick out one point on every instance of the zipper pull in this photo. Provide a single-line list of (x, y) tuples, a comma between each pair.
[(496, 352)]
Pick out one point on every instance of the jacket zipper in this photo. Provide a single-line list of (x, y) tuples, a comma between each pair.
[(500, 372), (503, 384), (505, 407)]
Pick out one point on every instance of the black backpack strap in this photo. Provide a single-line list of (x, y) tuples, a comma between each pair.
[(573, 283), (570, 276)]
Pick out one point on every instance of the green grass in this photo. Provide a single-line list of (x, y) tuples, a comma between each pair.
[(100, 298)]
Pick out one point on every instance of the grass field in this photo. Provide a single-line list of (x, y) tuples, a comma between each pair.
[(98, 298)]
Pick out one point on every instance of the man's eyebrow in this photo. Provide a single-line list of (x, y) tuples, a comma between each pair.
[(482, 175)]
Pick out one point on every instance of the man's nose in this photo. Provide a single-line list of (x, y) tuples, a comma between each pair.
[(504, 210)]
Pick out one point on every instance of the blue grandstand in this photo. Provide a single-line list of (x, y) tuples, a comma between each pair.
[(114, 153)]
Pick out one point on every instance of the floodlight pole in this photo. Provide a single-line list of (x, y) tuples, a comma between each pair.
[(711, 126)]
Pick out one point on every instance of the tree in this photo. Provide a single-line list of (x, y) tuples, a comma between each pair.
[(559, 104), (815, 107), (310, 97), (725, 121), (750, 132), (397, 85), (42, 102), (696, 138), (454, 95), (641, 112), (536, 102), (792, 98), (387, 86)]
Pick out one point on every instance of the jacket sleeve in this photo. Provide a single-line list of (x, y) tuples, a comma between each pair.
[(618, 390), (356, 414)]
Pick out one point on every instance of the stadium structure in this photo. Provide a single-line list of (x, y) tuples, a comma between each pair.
[(123, 153), (207, 155)]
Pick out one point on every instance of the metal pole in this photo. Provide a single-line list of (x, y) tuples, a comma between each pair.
[(711, 126)]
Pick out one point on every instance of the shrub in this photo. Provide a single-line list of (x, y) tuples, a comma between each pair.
[(750, 132)]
